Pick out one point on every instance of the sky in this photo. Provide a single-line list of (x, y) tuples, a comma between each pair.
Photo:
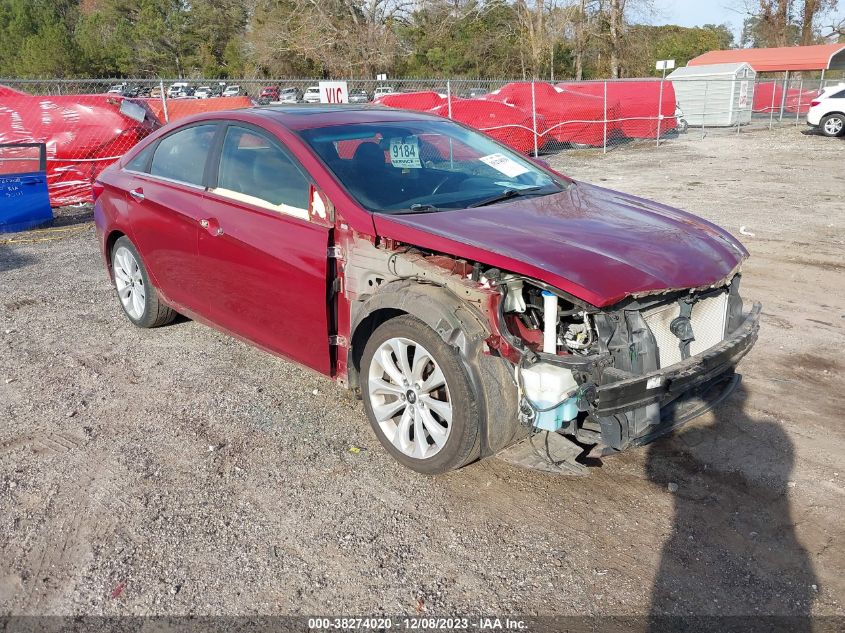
[(698, 12)]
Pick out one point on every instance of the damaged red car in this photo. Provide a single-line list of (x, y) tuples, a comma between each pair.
[(479, 302)]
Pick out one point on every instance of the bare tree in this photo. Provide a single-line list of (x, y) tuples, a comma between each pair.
[(354, 38), (583, 21), (811, 12), (787, 22), (834, 28), (616, 19)]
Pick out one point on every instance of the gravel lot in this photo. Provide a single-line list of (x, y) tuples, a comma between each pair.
[(179, 471)]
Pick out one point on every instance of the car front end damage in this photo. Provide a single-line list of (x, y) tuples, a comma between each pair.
[(598, 379), (636, 369)]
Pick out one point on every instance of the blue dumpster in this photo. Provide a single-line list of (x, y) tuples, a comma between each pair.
[(24, 202)]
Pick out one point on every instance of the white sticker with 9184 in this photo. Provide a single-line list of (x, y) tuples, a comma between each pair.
[(405, 153)]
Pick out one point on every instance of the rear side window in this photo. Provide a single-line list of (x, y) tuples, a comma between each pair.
[(256, 170), (181, 156), (141, 162), (838, 95)]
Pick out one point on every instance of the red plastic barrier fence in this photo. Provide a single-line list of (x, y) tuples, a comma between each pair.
[(636, 105), (83, 133)]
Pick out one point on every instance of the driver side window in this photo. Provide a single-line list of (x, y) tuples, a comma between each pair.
[(255, 170)]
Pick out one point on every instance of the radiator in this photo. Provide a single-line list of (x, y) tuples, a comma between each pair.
[(708, 325)]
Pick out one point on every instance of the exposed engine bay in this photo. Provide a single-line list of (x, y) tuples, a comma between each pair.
[(572, 351), (610, 377)]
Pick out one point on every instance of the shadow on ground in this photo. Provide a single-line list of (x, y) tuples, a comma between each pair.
[(733, 550)]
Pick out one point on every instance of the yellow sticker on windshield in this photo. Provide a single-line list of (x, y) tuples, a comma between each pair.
[(405, 153)]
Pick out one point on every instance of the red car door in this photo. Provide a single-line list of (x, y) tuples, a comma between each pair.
[(166, 204), (265, 262)]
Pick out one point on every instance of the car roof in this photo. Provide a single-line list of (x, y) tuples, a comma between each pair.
[(305, 117)]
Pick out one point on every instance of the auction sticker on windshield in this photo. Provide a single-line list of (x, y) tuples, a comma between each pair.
[(405, 153), (503, 164)]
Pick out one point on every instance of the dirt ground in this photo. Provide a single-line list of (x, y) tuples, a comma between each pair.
[(178, 471)]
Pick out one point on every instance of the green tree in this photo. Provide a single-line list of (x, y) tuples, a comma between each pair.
[(647, 44), (36, 38)]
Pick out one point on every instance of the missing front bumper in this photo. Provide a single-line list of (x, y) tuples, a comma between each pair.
[(617, 401)]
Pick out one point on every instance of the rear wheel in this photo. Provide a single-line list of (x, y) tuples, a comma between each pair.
[(138, 297), (419, 398), (833, 124)]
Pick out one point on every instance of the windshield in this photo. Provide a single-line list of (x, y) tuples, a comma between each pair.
[(426, 166)]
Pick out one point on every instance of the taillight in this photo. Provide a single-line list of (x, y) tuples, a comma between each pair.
[(813, 104), (97, 188)]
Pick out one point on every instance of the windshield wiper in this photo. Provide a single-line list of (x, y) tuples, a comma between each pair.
[(507, 194), (417, 208)]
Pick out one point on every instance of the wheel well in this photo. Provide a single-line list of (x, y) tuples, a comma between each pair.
[(112, 238), (363, 333)]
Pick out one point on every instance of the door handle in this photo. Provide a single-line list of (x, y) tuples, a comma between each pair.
[(138, 194), (204, 223)]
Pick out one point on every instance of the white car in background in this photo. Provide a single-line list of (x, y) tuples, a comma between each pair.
[(827, 111), (312, 94), (177, 89), (232, 91), (203, 92), (383, 91)]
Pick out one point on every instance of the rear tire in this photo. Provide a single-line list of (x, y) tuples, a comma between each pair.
[(419, 398), (137, 295), (832, 124)]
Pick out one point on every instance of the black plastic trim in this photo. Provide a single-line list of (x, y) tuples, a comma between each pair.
[(638, 391)]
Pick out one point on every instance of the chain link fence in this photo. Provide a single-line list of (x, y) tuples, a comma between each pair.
[(88, 123)]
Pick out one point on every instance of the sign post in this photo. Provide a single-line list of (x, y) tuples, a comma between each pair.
[(664, 65)]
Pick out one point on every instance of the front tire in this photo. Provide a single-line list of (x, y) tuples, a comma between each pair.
[(419, 398), (833, 125), (138, 297)]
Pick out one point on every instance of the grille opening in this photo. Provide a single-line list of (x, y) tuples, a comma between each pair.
[(708, 320)]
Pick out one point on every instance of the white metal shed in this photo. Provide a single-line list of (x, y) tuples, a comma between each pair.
[(716, 94)]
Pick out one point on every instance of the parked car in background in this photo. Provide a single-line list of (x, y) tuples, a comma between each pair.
[(232, 91), (382, 91), (217, 89), (176, 89), (358, 95), (471, 295), (290, 95), (473, 92), (268, 94), (125, 89), (827, 111), (155, 92), (312, 94), (203, 92)]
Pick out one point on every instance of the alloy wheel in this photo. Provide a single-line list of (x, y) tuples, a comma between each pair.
[(410, 398), (129, 282), (834, 125)]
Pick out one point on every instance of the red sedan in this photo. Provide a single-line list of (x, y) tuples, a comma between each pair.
[(473, 297)]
